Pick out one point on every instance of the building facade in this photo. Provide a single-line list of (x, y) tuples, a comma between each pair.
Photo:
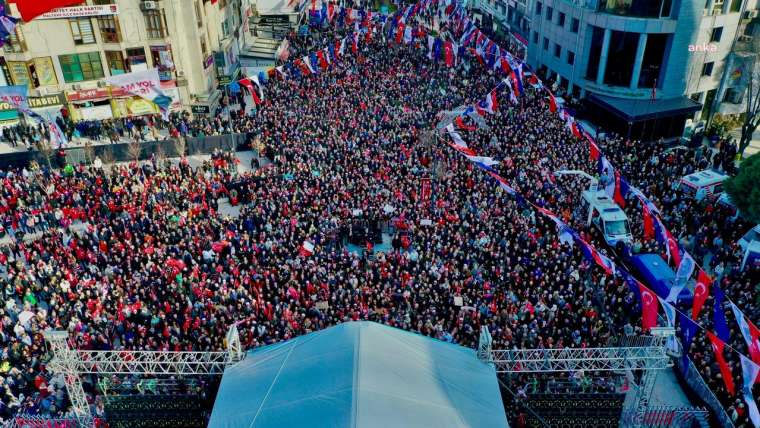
[(510, 18), (644, 66), (67, 54)]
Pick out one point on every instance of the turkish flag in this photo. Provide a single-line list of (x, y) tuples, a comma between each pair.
[(648, 223), (552, 103), (30, 9), (649, 307), (701, 293), (594, 151), (725, 371)]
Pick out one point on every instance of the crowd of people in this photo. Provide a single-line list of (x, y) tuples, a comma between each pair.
[(139, 256)]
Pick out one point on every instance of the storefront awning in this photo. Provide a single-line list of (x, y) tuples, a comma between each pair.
[(637, 110)]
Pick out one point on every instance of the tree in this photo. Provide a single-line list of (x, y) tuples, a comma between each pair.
[(46, 150), (180, 145), (89, 152), (134, 149), (752, 109), (743, 189)]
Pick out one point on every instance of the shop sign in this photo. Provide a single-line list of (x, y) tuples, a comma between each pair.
[(81, 11), (225, 80), (39, 102), (200, 109), (94, 94), (47, 101)]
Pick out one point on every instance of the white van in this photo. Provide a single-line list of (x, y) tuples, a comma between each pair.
[(606, 216), (709, 180)]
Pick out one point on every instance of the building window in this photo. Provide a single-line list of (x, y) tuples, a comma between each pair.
[(81, 67), (717, 33), (81, 31), (15, 42), (696, 96), (549, 13), (204, 49), (136, 59), (557, 50), (570, 57), (637, 8), (116, 64), (652, 62), (595, 52), (733, 96), (717, 7), (546, 44), (109, 29), (154, 24), (736, 6), (538, 8), (707, 68), (561, 19), (575, 25), (535, 37), (621, 57)]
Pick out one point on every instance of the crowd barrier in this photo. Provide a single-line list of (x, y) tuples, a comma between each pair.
[(698, 386), (125, 152), (37, 421)]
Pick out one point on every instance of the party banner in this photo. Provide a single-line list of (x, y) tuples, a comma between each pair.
[(145, 84), (15, 96)]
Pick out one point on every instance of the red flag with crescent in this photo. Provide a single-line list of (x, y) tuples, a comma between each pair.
[(701, 293), (649, 307), (725, 371)]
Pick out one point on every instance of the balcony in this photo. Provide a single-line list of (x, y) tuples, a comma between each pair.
[(636, 8)]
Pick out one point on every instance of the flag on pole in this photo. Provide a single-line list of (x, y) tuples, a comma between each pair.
[(552, 102), (307, 249), (448, 49), (489, 105)]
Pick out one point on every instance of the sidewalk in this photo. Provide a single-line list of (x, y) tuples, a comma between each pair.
[(754, 145), (5, 147)]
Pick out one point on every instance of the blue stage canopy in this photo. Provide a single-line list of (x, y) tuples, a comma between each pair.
[(359, 374)]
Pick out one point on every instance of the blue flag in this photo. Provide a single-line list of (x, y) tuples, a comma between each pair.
[(688, 331), (719, 317), (437, 45)]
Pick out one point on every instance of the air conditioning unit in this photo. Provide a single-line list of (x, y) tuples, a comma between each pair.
[(76, 87), (749, 14), (102, 84), (744, 38), (149, 5), (180, 74)]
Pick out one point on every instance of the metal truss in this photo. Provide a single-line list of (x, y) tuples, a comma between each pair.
[(575, 359), (143, 362), (72, 363)]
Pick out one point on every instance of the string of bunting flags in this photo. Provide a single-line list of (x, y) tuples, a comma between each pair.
[(468, 41), (490, 55)]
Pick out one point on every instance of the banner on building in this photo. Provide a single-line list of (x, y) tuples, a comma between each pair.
[(146, 85), (16, 96), (81, 12), (55, 100)]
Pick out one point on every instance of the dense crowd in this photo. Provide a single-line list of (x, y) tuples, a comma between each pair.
[(139, 256)]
